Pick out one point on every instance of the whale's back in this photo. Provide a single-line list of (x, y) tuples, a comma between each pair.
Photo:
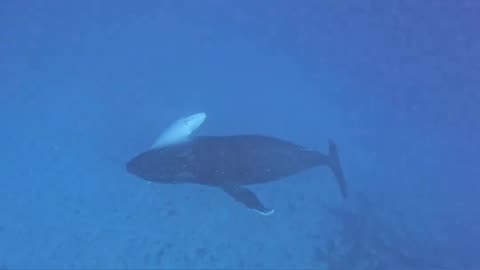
[(249, 159)]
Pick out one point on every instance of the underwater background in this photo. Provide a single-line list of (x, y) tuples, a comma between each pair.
[(86, 85)]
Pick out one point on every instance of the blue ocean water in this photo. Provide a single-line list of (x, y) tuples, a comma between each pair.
[(86, 85)]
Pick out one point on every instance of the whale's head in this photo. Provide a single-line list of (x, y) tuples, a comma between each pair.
[(170, 165)]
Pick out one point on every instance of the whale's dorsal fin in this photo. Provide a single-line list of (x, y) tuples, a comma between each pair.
[(180, 130)]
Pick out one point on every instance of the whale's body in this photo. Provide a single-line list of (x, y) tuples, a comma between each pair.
[(231, 163)]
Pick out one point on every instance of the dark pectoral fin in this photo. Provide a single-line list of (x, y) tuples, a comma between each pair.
[(248, 198)]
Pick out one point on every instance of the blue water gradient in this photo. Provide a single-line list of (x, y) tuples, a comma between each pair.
[(86, 85)]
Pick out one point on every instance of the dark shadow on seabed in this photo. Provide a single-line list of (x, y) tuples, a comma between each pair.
[(375, 236)]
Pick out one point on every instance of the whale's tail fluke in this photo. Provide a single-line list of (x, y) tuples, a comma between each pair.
[(336, 167)]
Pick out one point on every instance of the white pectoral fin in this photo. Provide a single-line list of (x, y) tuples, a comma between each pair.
[(180, 130), (194, 121)]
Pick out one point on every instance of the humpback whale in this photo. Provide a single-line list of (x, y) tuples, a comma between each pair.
[(231, 163)]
